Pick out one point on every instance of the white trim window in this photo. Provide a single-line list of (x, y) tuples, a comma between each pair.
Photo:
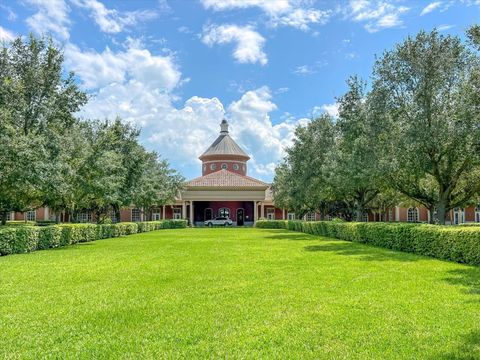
[(309, 216), (31, 215), (177, 213), (458, 216), (156, 216), (9, 216), (85, 217), (412, 215), (271, 213), (113, 215), (291, 216), (224, 212), (390, 214), (136, 215), (477, 214), (365, 217), (224, 166)]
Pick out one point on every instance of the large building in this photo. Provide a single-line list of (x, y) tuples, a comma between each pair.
[(225, 190)]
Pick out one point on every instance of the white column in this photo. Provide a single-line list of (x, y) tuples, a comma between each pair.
[(255, 212), (397, 213), (184, 210), (262, 211), (163, 212), (46, 213), (283, 214), (191, 213)]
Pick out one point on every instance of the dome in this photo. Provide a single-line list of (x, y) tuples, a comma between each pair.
[(224, 145)]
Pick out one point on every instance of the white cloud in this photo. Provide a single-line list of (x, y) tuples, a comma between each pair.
[(269, 6), (111, 20), (430, 7), (139, 87), (135, 63), (6, 35), (304, 70), (51, 17), (376, 14), (330, 109), (249, 43), (444, 27), (281, 12), (252, 127)]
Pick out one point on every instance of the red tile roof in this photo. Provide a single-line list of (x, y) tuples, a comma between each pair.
[(225, 178)]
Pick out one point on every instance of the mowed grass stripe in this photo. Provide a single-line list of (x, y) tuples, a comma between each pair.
[(237, 293)]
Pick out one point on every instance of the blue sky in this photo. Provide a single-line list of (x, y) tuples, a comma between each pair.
[(176, 68)]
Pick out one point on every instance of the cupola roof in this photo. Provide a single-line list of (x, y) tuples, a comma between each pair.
[(224, 145)]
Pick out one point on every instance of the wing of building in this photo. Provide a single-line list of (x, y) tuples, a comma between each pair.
[(225, 190)]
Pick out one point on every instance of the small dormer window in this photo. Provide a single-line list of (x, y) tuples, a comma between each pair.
[(224, 166), (213, 167), (204, 167), (235, 167)]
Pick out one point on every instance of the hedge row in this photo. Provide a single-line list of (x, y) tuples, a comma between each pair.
[(455, 243), (24, 239)]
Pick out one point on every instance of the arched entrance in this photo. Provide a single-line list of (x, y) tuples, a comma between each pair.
[(240, 217)]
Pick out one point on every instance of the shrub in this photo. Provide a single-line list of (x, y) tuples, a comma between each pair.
[(23, 239), (455, 243)]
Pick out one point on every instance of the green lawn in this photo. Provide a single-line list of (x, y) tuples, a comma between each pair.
[(236, 293)]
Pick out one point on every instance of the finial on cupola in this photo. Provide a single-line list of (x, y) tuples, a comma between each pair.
[(224, 127)]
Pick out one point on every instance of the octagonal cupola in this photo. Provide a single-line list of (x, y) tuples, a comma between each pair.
[(224, 153)]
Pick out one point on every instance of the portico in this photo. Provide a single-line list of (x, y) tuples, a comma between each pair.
[(224, 189)]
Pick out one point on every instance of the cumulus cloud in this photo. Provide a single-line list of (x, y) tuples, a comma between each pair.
[(254, 130), (280, 12), (248, 43), (6, 35), (140, 88), (99, 69), (111, 20), (51, 17), (377, 14), (330, 109)]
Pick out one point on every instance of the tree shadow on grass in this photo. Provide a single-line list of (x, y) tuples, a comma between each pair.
[(363, 252), (469, 349), (468, 278), (281, 234)]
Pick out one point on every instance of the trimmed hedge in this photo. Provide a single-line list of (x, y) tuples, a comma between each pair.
[(24, 239), (456, 243)]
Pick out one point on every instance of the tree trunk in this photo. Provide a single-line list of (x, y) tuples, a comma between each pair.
[(441, 212), (431, 211), (359, 213), (3, 217)]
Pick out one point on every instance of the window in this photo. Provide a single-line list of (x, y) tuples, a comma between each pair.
[(458, 216), (136, 215), (309, 216), (412, 215), (390, 214), (85, 217), (213, 167), (113, 216), (477, 214), (365, 217), (9, 216), (177, 213), (224, 212), (31, 215), (236, 167), (224, 166), (204, 167), (271, 213), (156, 216), (291, 216)]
